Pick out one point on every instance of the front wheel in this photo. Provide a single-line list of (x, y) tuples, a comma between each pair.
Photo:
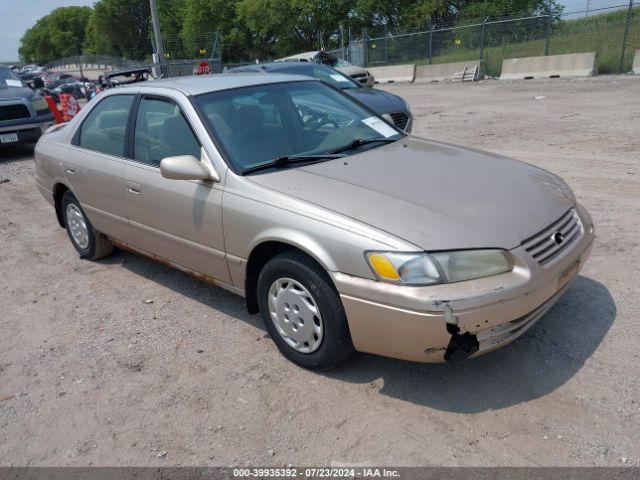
[(89, 243), (303, 313)]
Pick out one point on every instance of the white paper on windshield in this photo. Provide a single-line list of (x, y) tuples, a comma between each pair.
[(13, 83), (338, 78), (380, 126)]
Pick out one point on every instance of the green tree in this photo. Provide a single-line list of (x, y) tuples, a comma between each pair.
[(202, 19), (55, 35), (120, 28), (407, 15), (280, 27)]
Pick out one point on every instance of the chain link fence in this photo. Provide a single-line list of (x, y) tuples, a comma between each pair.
[(89, 62), (613, 32), (184, 54)]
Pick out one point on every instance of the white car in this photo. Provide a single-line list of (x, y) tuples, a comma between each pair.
[(359, 74)]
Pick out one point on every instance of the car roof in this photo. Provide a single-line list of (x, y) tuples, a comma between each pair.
[(196, 85)]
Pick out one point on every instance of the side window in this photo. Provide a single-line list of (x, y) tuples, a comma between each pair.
[(104, 128), (162, 131)]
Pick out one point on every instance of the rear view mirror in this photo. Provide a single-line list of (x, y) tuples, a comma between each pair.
[(184, 167)]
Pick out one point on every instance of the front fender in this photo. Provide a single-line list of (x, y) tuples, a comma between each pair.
[(297, 239), (254, 214)]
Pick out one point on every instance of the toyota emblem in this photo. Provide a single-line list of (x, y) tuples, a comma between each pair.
[(558, 237)]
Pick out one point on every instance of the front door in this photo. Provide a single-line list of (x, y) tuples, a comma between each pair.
[(177, 220)]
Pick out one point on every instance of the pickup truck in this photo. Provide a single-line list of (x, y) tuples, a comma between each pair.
[(24, 114)]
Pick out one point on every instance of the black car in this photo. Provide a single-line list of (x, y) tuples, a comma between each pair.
[(389, 106), (24, 114)]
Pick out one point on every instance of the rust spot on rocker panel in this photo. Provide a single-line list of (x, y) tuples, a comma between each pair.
[(197, 275)]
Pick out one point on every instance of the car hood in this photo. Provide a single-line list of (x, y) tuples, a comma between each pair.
[(434, 195), (352, 70), (382, 102), (16, 93)]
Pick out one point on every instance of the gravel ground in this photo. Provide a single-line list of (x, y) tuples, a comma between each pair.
[(127, 362)]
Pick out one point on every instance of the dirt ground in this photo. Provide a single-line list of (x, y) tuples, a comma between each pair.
[(127, 362)]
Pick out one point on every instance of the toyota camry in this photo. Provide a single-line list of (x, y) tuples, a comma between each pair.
[(344, 232)]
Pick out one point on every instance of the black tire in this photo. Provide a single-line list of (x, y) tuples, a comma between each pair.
[(99, 246), (336, 346)]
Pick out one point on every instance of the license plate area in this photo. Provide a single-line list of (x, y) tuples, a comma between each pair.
[(8, 138)]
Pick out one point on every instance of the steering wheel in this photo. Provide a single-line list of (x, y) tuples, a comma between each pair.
[(323, 120)]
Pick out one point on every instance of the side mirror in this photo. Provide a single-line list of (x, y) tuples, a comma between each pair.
[(184, 167)]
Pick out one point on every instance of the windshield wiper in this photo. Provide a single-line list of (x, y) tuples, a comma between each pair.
[(359, 142), (287, 160)]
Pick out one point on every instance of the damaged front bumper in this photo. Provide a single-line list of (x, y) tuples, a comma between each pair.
[(429, 324)]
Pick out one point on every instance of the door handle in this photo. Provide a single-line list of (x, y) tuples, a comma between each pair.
[(71, 171), (132, 187)]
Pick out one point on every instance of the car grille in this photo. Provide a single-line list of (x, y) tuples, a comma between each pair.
[(360, 77), (14, 112), (550, 242), (400, 119)]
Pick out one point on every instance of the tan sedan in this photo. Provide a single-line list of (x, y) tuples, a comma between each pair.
[(345, 233)]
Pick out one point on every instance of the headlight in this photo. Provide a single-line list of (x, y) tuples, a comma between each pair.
[(39, 104), (405, 268), (468, 264), (441, 267)]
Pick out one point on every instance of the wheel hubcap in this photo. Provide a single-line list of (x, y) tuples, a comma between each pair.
[(296, 315), (77, 226)]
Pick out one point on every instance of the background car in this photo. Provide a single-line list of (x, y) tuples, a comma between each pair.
[(24, 114), (393, 108), (359, 74)]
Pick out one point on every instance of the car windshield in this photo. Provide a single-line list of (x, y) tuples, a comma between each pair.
[(8, 78), (259, 124), (338, 62), (326, 74)]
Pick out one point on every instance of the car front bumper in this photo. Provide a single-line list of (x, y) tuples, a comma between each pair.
[(28, 129), (410, 323)]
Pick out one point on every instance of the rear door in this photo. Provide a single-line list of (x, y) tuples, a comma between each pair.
[(95, 165), (177, 220)]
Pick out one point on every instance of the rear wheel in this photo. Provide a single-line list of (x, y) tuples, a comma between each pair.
[(303, 313), (89, 243)]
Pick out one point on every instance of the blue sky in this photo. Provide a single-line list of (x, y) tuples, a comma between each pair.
[(18, 15)]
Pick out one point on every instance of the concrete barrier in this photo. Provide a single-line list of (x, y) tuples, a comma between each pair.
[(393, 73), (447, 71), (552, 66), (636, 63)]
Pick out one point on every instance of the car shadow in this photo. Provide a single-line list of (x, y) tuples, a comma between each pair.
[(184, 284), (543, 359), (540, 361), (16, 153)]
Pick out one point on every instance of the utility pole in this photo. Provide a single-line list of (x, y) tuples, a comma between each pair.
[(79, 63), (626, 35), (156, 32)]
